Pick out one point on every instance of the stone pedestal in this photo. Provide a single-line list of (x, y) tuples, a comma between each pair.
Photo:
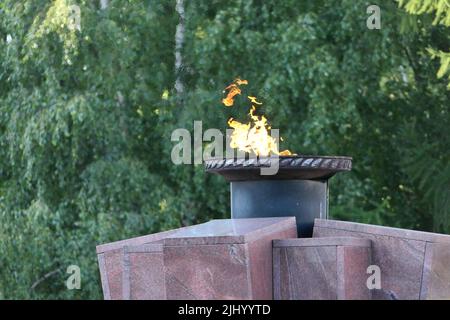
[(224, 259), (235, 259), (322, 268), (413, 264)]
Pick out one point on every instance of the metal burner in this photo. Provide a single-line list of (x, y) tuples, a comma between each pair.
[(300, 187)]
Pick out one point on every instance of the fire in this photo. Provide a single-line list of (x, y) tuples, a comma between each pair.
[(254, 100), (253, 136), (233, 90)]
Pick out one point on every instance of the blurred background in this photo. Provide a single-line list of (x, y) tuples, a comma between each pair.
[(87, 112)]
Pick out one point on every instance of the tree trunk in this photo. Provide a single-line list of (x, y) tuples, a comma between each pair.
[(179, 41), (104, 4)]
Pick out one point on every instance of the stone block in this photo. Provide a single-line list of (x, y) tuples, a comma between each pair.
[(407, 259), (321, 269), (224, 259), (436, 273), (110, 260)]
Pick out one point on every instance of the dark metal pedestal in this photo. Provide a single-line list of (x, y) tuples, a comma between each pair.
[(304, 199), (298, 188)]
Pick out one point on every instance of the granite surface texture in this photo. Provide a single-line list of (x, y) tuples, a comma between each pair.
[(331, 268), (224, 259), (409, 260)]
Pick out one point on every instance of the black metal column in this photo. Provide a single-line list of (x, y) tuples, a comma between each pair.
[(303, 199)]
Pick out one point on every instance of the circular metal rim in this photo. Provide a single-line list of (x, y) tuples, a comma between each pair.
[(290, 167)]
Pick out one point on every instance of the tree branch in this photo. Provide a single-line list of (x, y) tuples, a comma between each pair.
[(46, 276)]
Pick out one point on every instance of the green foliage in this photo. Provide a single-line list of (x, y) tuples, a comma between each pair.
[(86, 117), (429, 173), (78, 122), (441, 11), (440, 8)]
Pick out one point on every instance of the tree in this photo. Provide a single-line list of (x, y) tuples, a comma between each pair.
[(441, 10), (79, 118)]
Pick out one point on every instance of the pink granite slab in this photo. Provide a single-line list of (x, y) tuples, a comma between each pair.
[(321, 269), (436, 272), (382, 230), (143, 272), (258, 255), (110, 260), (224, 259), (399, 253), (228, 231), (352, 263)]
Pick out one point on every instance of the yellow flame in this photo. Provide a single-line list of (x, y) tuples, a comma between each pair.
[(233, 90), (239, 135), (254, 136), (240, 82), (254, 100)]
